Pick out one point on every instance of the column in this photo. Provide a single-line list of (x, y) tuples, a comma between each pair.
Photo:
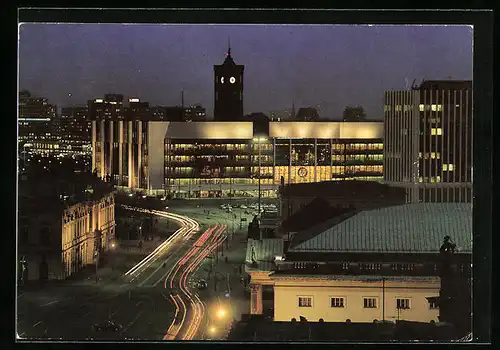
[(315, 160), (290, 162), (256, 299)]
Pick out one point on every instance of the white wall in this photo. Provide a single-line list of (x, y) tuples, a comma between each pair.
[(286, 301)]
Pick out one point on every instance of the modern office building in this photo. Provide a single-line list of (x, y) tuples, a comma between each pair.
[(383, 264), (36, 117), (202, 159), (428, 141), (228, 93)]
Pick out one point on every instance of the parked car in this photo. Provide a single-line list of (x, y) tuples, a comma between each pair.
[(107, 326), (243, 206)]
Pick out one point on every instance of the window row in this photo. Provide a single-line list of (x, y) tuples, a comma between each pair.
[(368, 302)]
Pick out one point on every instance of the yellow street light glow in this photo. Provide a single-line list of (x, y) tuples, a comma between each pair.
[(212, 330), (221, 313)]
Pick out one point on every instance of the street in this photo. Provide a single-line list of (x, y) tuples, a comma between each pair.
[(152, 298)]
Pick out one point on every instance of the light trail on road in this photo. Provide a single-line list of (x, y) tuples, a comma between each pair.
[(191, 261), (188, 227)]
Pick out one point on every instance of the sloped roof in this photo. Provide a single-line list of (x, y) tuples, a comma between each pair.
[(417, 228), (315, 212), (332, 189)]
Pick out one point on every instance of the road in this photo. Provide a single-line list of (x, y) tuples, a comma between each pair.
[(148, 299), (68, 310)]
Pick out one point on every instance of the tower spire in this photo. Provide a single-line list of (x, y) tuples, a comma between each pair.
[(229, 46), (293, 109)]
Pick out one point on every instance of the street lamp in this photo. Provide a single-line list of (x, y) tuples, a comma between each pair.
[(221, 313)]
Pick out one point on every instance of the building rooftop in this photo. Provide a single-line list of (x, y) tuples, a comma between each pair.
[(413, 228), (260, 254), (344, 189), (317, 211)]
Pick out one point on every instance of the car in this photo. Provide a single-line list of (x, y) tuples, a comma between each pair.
[(202, 284), (107, 326), (243, 206)]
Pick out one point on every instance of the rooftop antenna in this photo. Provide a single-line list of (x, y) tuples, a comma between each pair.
[(182, 98), (406, 83)]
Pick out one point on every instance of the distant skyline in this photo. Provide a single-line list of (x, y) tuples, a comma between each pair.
[(330, 66)]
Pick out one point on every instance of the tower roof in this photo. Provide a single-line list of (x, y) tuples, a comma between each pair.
[(229, 59)]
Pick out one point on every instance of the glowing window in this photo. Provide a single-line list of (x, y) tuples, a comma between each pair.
[(439, 108), (420, 179), (433, 155), (421, 108), (434, 108)]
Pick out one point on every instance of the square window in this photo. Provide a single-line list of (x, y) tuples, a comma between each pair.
[(445, 167), (439, 131), (402, 303), (421, 108), (370, 303), (433, 304), (305, 301), (337, 302)]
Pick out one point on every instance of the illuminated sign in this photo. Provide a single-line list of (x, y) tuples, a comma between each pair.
[(98, 100), (133, 100)]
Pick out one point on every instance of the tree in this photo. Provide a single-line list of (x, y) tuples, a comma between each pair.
[(354, 114)]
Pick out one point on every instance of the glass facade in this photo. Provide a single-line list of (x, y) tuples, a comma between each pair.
[(229, 165)]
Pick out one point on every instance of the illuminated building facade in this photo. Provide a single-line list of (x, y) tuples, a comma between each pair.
[(61, 228), (208, 159), (36, 118), (428, 141)]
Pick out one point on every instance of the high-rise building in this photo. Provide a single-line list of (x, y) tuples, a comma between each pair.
[(228, 84), (428, 141), (36, 117), (74, 124), (109, 107)]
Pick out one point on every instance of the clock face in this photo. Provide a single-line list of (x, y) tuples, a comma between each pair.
[(222, 80), (302, 172), (232, 80)]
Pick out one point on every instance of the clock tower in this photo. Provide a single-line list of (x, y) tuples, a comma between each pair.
[(228, 80)]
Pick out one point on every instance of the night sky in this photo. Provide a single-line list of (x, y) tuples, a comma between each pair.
[(325, 65)]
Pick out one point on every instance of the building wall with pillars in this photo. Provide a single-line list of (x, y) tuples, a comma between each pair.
[(81, 223), (197, 155)]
